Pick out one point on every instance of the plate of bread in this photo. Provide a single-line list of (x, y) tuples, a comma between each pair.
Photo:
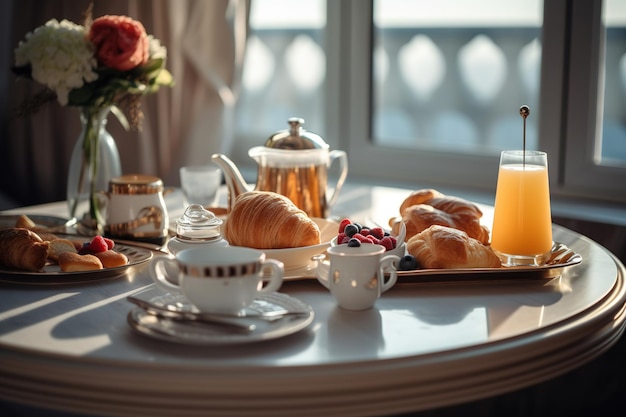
[(445, 237), (29, 253)]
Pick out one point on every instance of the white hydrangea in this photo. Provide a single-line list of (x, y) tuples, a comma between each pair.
[(60, 56), (155, 49)]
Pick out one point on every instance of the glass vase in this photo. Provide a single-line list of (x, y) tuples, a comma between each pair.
[(95, 161)]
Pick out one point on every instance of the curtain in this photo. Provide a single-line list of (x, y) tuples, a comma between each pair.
[(182, 125)]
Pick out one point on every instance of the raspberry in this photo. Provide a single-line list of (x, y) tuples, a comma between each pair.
[(343, 224), (387, 243), (345, 239), (365, 231), (98, 244), (110, 243), (371, 239), (360, 238), (378, 232), (340, 237)]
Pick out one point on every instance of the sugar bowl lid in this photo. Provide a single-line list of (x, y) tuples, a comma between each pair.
[(295, 138), (198, 223)]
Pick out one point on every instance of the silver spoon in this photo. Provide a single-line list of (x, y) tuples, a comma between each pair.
[(233, 323)]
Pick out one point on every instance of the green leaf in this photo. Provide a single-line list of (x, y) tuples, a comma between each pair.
[(151, 65), (81, 96)]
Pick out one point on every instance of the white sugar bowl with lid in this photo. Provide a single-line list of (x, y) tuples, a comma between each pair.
[(195, 228)]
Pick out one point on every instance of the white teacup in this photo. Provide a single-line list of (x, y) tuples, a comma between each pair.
[(355, 276), (221, 280)]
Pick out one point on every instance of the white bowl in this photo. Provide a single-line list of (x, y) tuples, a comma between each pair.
[(399, 250), (294, 258)]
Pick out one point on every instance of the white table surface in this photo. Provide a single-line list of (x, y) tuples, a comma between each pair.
[(69, 347)]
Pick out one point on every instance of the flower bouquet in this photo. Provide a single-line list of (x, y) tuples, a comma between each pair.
[(104, 65)]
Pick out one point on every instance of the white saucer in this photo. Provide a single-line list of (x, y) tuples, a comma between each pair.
[(192, 333)]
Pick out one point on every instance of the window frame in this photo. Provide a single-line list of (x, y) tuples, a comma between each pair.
[(567, 124), (583, 121)]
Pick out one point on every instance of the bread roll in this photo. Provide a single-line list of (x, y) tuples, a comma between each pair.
[(59, 246), (73, 262), (268, 220), (111, 258), (25, 222), (440, 247), (22, 249), (424, 208)]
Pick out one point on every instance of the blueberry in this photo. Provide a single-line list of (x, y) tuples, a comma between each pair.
[(351, 230), (354, 243), (408, 263)]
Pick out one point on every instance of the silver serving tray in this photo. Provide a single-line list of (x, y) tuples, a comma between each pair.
[(561, 257)]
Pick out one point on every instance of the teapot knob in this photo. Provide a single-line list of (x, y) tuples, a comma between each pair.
[(295, 138), (295, 124)]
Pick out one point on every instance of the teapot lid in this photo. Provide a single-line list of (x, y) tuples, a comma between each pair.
[(198, 223), (295, 138)]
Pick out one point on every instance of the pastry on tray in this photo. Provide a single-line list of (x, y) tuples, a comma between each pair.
[(424, 208), (441, 247)]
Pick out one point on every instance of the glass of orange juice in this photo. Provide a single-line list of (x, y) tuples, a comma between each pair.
[(522, 222)]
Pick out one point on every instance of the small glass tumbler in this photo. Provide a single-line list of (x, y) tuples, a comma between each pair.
[(200, 184), (521, 234)]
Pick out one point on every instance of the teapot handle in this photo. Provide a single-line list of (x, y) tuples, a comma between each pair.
[(342, 157)]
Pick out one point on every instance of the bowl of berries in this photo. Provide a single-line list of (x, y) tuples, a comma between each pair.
[(356, 234), (300, 257)]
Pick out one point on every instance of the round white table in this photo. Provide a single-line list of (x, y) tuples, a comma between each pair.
[(424, 345)]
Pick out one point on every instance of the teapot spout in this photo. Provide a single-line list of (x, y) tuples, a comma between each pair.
[(234, 180)]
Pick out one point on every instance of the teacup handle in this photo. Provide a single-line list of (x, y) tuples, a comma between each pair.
[(343, 173), (156, 272), (322, 268), (276, 279), (387, 264)]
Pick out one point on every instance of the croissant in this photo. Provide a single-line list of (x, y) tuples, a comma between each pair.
[(440, 247), (424, 208), (268, 220), (22, 249)]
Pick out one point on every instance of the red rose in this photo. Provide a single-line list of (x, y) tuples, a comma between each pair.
[(121, 42)]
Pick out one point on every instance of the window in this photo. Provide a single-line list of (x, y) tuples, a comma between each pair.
[(424, 93), (285, 70), (613, 76), (451, 74)]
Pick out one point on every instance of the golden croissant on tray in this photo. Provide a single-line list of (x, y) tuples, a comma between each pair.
[(441, 247), (424, 208), (268, 220)]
